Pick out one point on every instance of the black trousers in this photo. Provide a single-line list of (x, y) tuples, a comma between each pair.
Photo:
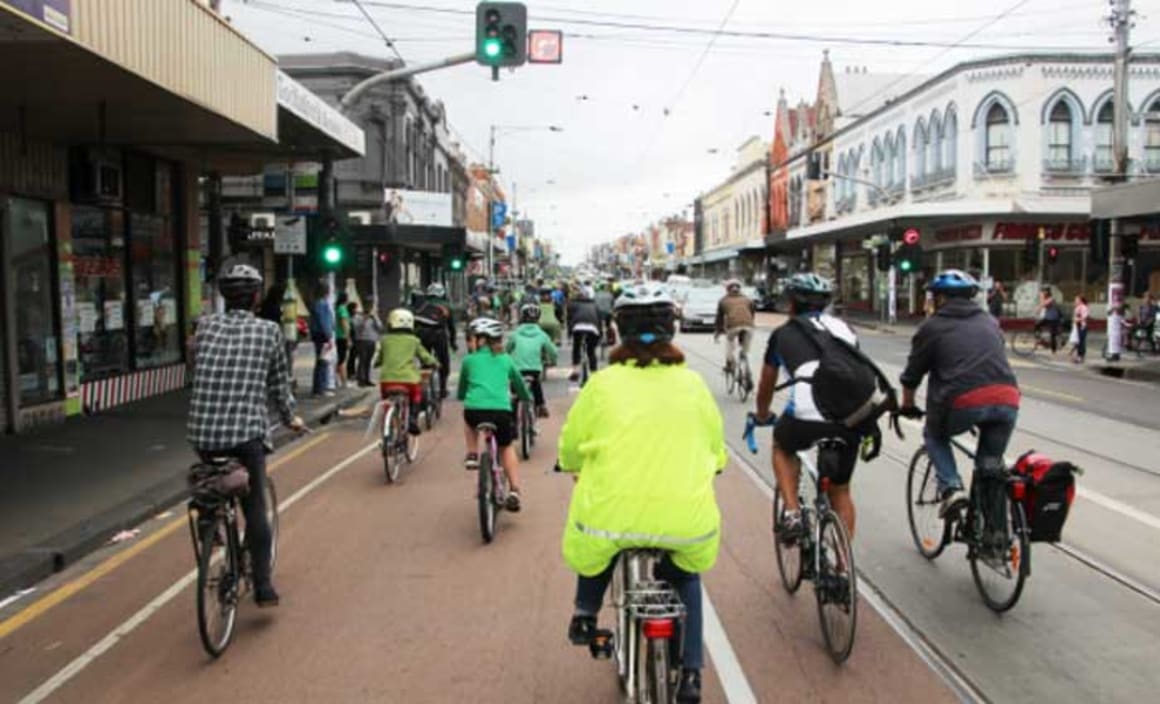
[(537, 387), (441, 348), (252, 455), (365, 350), (589, 341)]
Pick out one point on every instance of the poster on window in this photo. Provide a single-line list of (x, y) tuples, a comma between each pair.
[(86, 317), (145, 314), (114, 315)]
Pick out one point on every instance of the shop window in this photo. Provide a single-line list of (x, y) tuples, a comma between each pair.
[(1059, 137), (1104, 119), (30, 244), (998, 145), (156, 291), (855, 289), (101, 296)]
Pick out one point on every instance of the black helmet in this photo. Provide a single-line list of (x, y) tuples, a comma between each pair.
[(240, 282)]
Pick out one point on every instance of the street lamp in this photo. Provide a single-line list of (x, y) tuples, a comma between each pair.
[(495, 130)]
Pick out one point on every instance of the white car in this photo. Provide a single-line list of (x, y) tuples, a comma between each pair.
[(699, 309)]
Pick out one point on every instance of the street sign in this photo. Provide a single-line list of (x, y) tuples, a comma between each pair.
[(498, 214), (545, 46), (290, 235)]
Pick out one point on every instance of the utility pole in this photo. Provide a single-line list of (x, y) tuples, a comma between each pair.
[(1121, 21), (491, 205)]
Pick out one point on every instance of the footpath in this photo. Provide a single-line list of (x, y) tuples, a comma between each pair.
[(67, 489)]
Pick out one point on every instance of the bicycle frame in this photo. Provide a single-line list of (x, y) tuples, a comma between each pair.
[(640, 599)]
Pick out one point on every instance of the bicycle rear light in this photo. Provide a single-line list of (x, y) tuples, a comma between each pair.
[(659, 628)]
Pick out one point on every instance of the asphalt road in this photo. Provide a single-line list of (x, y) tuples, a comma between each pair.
[(389, 594)]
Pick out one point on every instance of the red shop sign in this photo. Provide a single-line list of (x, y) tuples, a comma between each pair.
[(1070, 232), (966, 233)]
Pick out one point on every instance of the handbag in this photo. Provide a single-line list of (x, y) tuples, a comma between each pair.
[(1073, 338)]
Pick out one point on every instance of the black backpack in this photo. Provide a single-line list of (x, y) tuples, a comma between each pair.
[(848, 387)]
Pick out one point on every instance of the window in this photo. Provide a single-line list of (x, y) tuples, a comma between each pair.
[(101, 298), (998, 146), (1152, 140), (1059, 136), (950, 142), (155, 290), (877, 164), (1104, 120), (900, 160), (922, 141), (934, 145), (30, 244)]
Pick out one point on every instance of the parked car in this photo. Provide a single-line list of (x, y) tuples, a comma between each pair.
[(699, 309)]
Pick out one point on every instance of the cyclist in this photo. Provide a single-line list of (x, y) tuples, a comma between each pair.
[(483, 312), (736, 314), (549, 321), (604, 300), (971, 383), (400, 350), (801, 425), (645, 440), (583, 329), (485, 382), (529, 345), (239, 369), (435, 326)]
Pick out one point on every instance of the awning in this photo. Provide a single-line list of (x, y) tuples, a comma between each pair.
[(719, 255), (1126, 200), (427, 238)]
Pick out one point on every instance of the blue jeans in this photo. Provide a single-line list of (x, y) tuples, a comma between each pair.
[(590, 597), (321, 370), (995, 424)]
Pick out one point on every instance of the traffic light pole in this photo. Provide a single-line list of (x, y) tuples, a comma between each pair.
[(355, 93), (1121, 21)]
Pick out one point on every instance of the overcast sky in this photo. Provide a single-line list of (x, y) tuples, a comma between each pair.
[(651, 116)]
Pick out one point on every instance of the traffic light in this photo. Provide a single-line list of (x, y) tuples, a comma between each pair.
[(1130, 246), (1052, 254), (454, 258), (882, 257), (1031, 252), (501, 33), (1098, 241), (332, 254)]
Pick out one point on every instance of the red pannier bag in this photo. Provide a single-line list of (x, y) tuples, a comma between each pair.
[(1049, 489)]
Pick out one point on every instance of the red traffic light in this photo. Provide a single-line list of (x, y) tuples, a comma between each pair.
[(1052, 254), (911, 236)]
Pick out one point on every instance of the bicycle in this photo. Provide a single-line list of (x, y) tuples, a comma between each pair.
[(432, 398), (526, 416), (738, 374), (397, 443), (650, 621), (493, 487), (1000, 556), (224, 563), (1025, 343), (822, 554)]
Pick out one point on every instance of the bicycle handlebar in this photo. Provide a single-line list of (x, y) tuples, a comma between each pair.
[(751, 424)]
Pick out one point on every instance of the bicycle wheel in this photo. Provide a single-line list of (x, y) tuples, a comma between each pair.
[(525, 431), (410, 442), (1000, 572), (744, 383), (486, 498), (392, 459), (730, 381), (789, 557), (436, 394), (218, 581), (930, 532), (653, 675), (1024, 342), (836, 588), (272, 521)]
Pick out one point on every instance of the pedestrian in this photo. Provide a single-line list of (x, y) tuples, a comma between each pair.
[(1050, 317), (1146, 319), (367, 334), (1079, 321), (355, 317), (322, 335), (995, 300), (342, 337)]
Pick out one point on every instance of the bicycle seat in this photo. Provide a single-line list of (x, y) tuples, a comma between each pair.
[(486, 427), (397, 390)]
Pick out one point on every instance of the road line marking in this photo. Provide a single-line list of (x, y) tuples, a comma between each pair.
[(733, 681), (1056, 394), (37, 608), (1119, 507), (52, 684)]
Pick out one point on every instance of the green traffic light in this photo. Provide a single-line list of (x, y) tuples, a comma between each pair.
[(456, 264), (905, 265), (332, 254), (492, 48)]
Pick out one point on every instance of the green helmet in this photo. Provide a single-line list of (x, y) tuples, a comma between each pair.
[(809, 291)]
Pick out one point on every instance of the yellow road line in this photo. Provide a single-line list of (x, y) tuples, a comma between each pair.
[(37, 608), (1049, 392)]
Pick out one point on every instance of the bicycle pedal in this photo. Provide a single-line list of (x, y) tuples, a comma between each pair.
[(601, 645)]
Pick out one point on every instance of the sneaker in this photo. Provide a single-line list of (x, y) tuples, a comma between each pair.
[(953, 499), (265, 596), (471, 461), (689, 690), (790, 530), (574, 376), (581, 629), (413, 428), (542, 412), (512, 503)]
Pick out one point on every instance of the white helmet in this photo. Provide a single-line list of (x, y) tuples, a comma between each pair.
[(645, 314), (401, 319), (732, 284), (239, 281), (436, 290), (487, 327)]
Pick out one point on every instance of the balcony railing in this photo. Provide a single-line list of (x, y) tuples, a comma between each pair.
[(1151, 162), (994, 167), (1103, 163), (1069, 166)]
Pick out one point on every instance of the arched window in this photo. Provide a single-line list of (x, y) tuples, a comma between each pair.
[(998, 144), (934, 144), (921, 140), (1104, 120), (950, 141), (877, 163), (1152, 138), (1059, 136), (900, 159)]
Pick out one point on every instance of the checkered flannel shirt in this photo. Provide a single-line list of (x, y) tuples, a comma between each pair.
[(240, 369)]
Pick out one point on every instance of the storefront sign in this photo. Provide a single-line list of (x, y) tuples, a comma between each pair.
[(417, 207), (966, 233), (54, 13), (1070, 232), (296, 98), (290, 236)]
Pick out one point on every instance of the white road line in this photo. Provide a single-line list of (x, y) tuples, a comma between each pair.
[(102, 646), (737, 689), (1119, 507)]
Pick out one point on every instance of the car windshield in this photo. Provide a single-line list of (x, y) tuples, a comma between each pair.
[(702, 296)]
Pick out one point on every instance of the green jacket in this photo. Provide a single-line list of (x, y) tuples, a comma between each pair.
[(548, 318), (527, 346), (486, 379), (646, 444), (399, 352)]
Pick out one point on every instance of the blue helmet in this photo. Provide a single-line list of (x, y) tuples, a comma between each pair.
[(954, 282)]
